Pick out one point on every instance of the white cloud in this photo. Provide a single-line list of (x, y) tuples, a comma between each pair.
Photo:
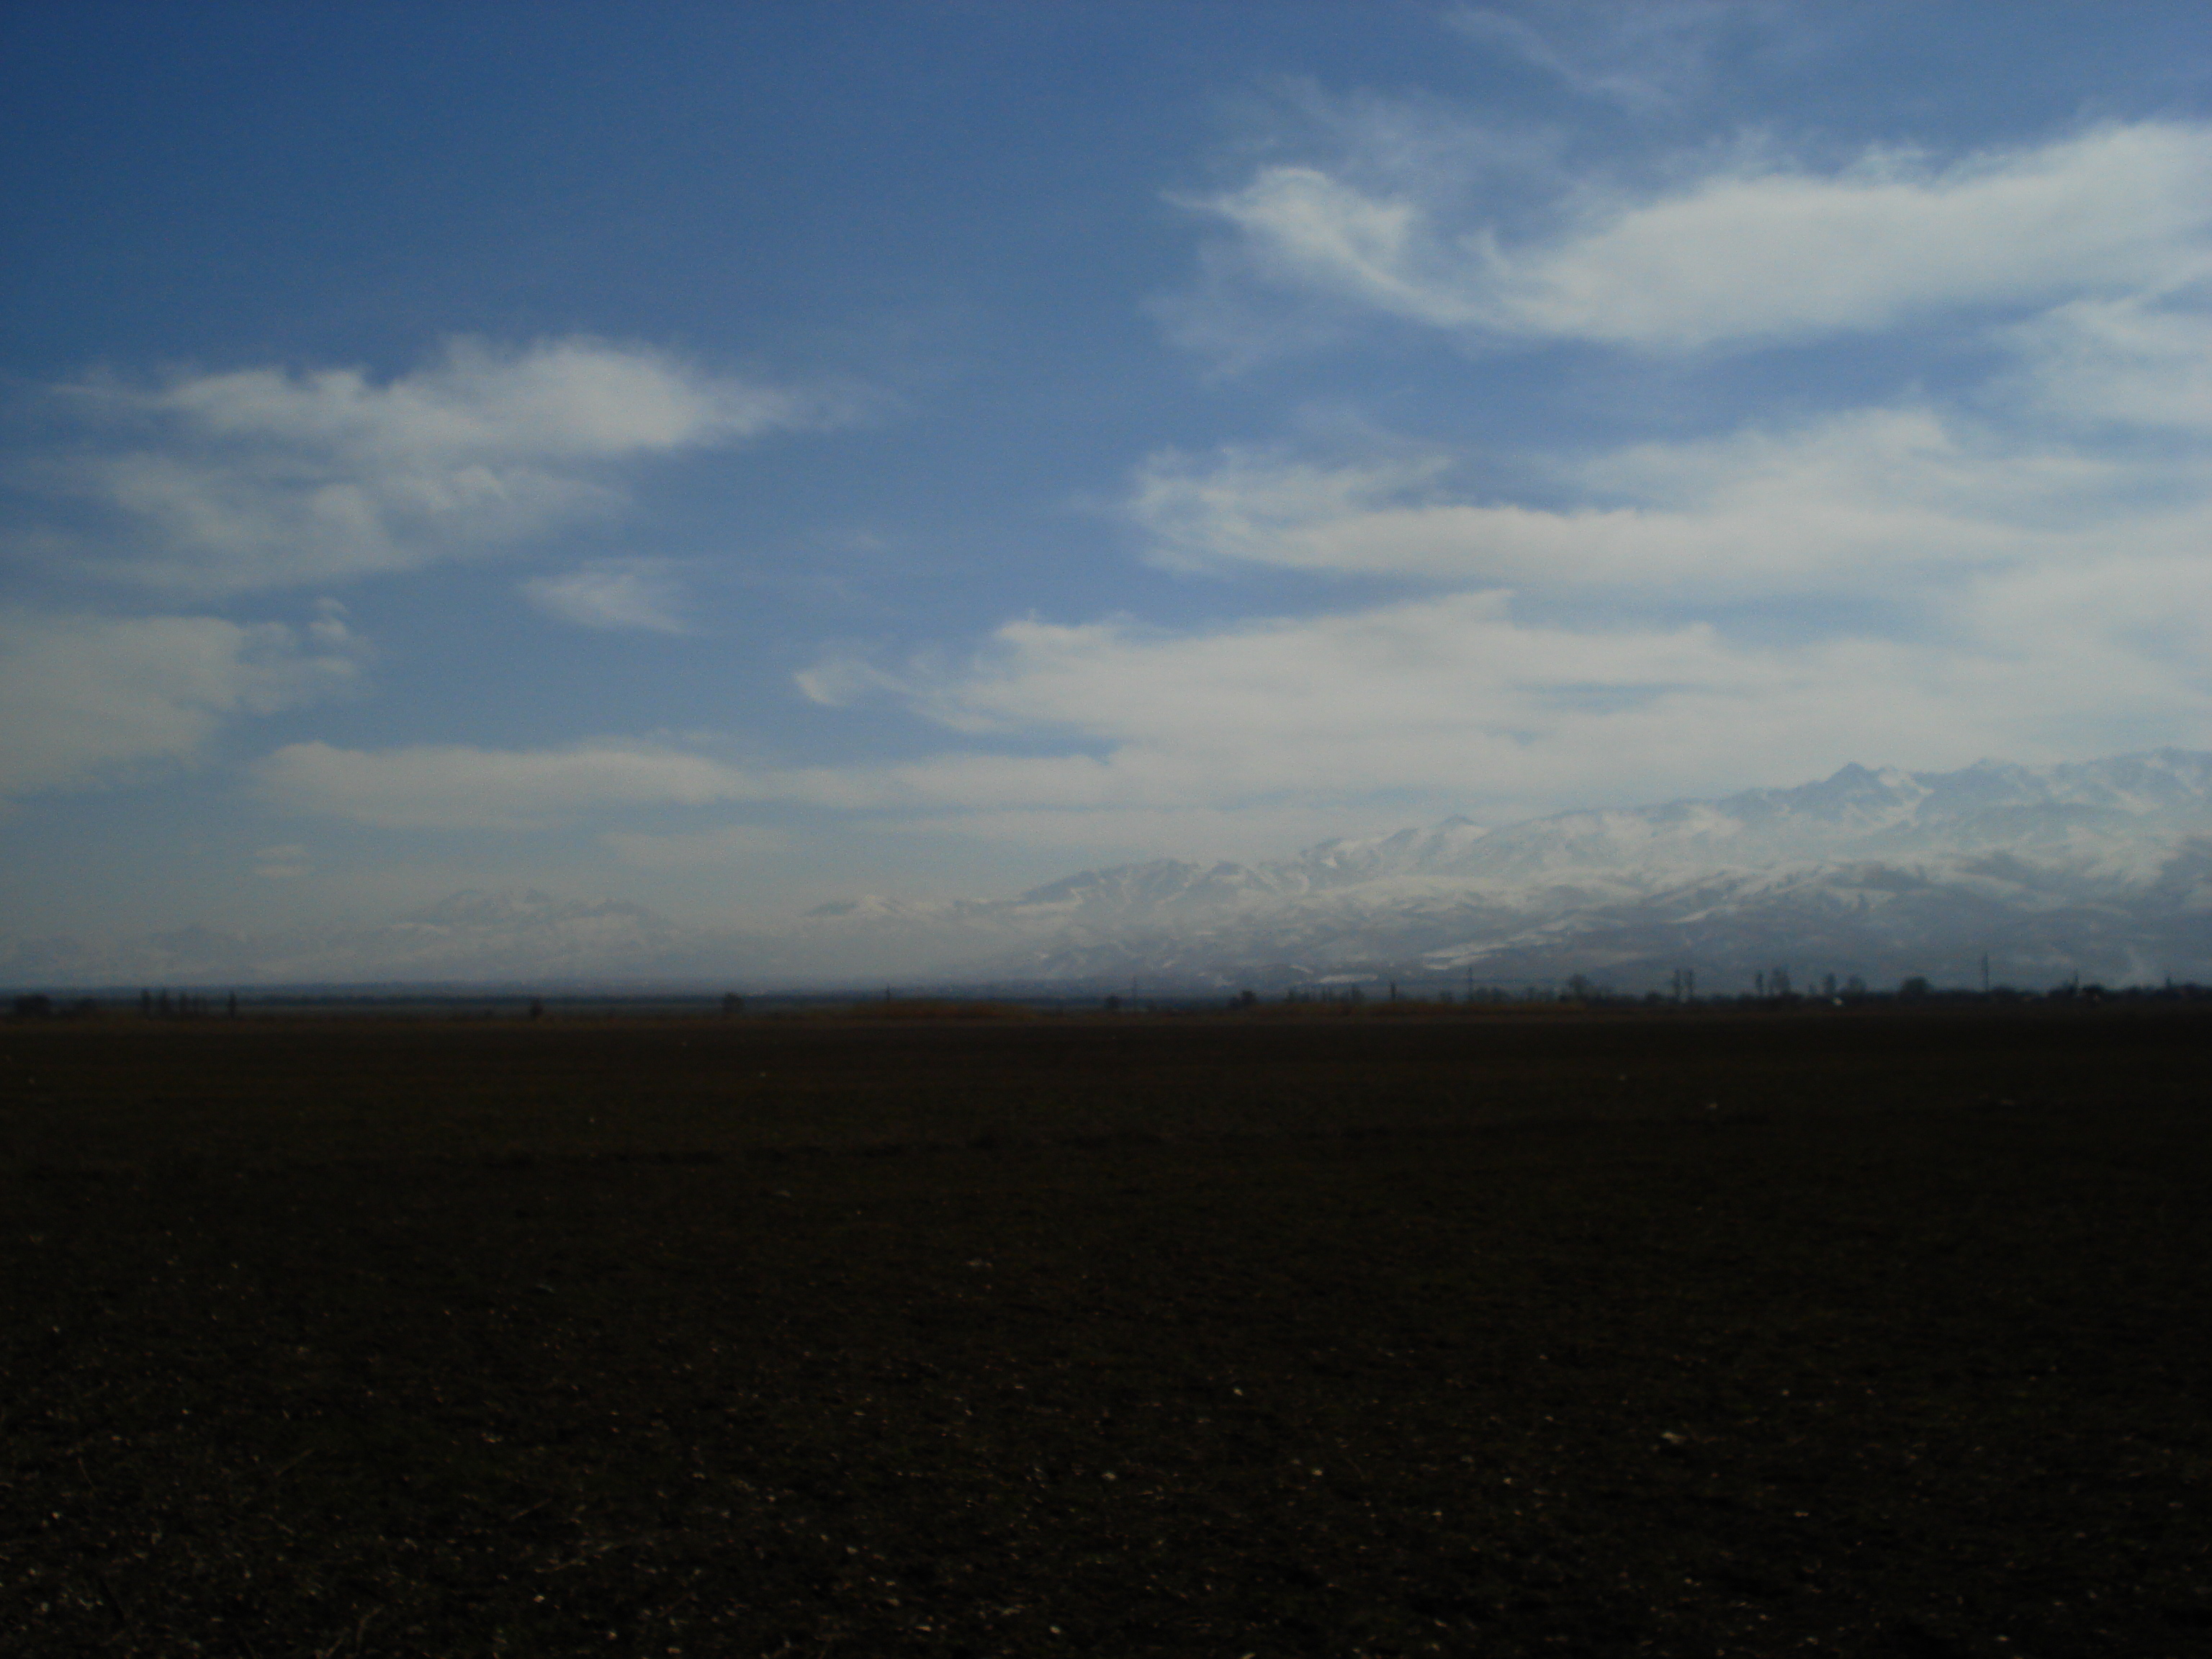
[(1916, 583), (97, 700), (1911, 585), (1644, 55), (1455, 701), (1254, 506), (216, 483), (840, 678), (1452, 702), (2128, 362), (635, 593), (1864, 503), (1741, 248), (454, 786)]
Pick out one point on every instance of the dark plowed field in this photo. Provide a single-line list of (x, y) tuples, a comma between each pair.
[(1857, 1333)]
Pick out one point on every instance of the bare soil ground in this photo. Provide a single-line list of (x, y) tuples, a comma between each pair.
[(1867, 1334)]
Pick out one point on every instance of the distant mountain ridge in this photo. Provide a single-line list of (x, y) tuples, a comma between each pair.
[(2093, 867), (2100, 869)]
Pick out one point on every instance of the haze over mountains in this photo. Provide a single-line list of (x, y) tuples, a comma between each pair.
[(2100, 869)]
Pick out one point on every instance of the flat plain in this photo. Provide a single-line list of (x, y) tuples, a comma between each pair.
[(1671, 1333)]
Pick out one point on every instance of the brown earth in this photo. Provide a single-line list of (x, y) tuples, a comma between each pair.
[(1679, 1334)]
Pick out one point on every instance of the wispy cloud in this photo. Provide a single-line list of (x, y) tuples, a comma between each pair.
[(1455, 702), (2137, 363), (1644, 55), (1745, 248), (1862, 504), (264, 477), (635, 593)]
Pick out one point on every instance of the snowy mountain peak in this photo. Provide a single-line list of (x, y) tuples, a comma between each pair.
[(1876, 869)]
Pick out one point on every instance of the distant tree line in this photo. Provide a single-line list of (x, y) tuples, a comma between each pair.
[(152, 1005), (1770, 988)]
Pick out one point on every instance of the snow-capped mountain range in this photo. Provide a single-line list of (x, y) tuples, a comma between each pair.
[(2100, 869)]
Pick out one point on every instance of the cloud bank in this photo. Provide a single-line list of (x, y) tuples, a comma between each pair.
[(104, 699), (214, 483)]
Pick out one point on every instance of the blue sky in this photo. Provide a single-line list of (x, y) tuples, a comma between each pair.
[(735, 456)]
